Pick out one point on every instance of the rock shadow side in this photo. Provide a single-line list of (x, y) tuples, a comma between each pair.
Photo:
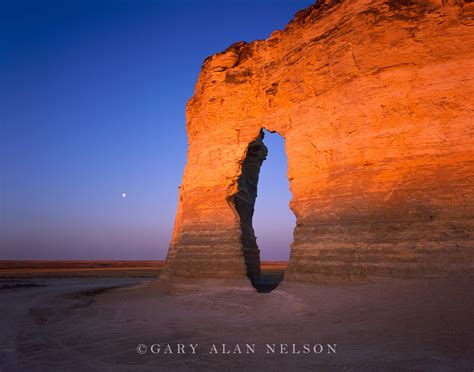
[(244, 203)]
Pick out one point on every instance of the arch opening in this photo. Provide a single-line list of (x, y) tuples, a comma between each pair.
[(269, 214)]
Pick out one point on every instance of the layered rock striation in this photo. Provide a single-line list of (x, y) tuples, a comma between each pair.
[(375, 101)]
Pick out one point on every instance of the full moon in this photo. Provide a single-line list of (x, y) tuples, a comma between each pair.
[(124, 195)]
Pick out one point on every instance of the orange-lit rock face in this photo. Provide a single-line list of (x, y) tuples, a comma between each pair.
[(375, 101)]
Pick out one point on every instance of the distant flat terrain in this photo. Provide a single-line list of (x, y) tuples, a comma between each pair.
[(90, 268), (79, 268)]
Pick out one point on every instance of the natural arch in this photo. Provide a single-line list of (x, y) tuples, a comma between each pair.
[(374, 100), (244, 203)]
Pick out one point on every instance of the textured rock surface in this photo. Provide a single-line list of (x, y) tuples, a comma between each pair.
[(375, 101)]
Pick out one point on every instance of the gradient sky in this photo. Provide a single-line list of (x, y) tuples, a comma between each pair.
[(92, 104)]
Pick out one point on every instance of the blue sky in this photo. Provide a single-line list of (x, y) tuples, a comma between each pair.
[(92, 104)]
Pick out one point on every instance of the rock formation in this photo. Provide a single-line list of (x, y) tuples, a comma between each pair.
[(375, 101)]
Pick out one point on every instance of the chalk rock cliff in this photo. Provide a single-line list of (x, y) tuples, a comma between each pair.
[(375, 101)]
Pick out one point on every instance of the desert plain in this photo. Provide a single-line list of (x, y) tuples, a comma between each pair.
[(97, 322)]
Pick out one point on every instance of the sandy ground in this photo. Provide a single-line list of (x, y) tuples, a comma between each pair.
[(95, 324)]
